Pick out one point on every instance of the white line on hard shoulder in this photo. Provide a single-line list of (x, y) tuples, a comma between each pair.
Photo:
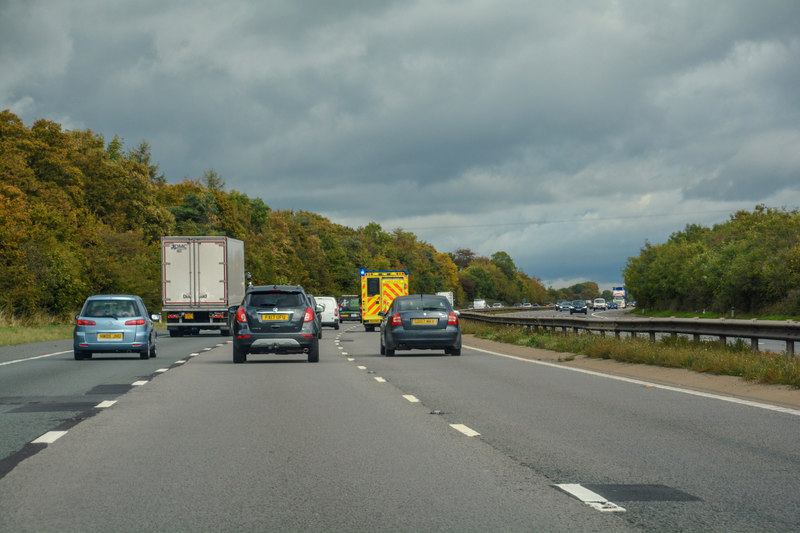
[(33, 358), (729, 399)]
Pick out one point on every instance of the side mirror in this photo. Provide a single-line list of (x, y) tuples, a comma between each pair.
[(156, 317), (320, 308)]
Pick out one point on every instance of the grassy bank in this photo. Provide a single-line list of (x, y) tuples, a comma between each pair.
[(33, 329), (678, 352)]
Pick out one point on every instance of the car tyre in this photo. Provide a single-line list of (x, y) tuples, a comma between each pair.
[(455, 351), (80, 355), (239, 354), (144, 354), (389, 352), (336, 326), (153, 349), (313, 353)]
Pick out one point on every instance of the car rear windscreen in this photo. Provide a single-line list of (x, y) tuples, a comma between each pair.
[(276, 299)]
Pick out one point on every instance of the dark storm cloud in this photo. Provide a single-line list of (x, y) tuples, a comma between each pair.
[(465, 115)]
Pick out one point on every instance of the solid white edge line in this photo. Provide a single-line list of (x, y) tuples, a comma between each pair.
[(469, 432), (49, 438), (105, 404), (729, 399), (33, 358)]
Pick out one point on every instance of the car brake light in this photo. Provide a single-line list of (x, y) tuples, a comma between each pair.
[(396, 320), (452, 319), (84, 322), (309, 316), (135, 322), (241, 316)]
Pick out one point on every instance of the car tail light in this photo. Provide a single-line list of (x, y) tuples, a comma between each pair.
[(452, 319), (135, 322), (309, 316), (396, 320), (241, 316), (84, 322)]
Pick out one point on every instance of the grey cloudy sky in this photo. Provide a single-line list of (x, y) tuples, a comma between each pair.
[(564, 133)]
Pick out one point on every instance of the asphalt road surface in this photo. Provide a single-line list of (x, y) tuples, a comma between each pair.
[(361, 442)]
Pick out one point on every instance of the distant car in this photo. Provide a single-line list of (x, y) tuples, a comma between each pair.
[(527, 304), (330, 312), (611, 305), (276, 319), (350, 308), (579, 306), (114, 323), (563, 305), (599, 303), (420, 321), (497, 305)]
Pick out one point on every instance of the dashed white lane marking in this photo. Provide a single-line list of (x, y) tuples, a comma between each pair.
[(411, 398), (32, 358), (469, 432), (49, 438), (161, 370), (105, 404), (361, 367), (351, 359), (139, 383), (345, 353), (194, 354), (182, 361), (768, 407), (380, 380), (590, 498)]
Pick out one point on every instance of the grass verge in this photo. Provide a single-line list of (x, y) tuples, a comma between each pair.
[(677, 352), (36, 329)]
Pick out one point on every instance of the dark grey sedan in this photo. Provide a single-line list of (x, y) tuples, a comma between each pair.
[(420, 322)]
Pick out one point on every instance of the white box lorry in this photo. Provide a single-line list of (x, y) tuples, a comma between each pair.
[(201, 278)]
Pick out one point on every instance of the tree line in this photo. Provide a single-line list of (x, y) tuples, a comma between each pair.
[(750, 263), (79, 216)]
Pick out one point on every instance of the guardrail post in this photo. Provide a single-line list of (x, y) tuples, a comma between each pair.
[(754, 344), (790, 348), (652, 336)]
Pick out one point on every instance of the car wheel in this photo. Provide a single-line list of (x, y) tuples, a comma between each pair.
[(225, 332), (336, 326), (313, 353), (174, 333), (80, 355), (239, 355), (383, 348), (144, 354), (455, 351), (389, 352), (153, 349)]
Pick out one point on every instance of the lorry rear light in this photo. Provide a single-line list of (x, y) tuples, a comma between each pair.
[(396, 320), (452, 319), (309, 316), (135, 322), (84, 322), (241, 316)]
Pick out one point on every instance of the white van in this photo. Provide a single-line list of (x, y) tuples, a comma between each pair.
[(330, 315), (479, 304), (599, 303)]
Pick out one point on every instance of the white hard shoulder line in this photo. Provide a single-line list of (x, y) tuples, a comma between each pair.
[(729, 399), (33, 358)]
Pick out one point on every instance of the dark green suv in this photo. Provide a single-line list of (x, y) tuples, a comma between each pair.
[(276, 319)]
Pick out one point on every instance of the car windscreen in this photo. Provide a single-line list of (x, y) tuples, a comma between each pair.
[(111, 308), (276, 299), (425, 303)]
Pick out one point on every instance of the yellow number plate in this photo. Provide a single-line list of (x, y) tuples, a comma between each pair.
[(424, 321), (189, 316), (109, 336), (274, 317)]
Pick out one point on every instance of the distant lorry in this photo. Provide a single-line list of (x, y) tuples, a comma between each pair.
[(449, 296), (378, 291), (201, 277), (619, 296)]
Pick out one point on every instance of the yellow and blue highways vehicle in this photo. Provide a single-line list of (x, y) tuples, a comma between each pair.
[(378, 291)]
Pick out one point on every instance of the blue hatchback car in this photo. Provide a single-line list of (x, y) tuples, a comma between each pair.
[(114, 323)]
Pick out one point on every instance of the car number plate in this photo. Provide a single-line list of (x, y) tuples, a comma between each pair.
[(189, 316), (270, 317), (109, 336), (424, 321)]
